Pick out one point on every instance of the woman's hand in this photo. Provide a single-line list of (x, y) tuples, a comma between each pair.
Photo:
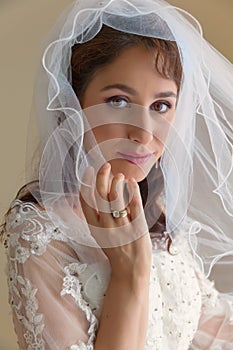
[(124, 240)]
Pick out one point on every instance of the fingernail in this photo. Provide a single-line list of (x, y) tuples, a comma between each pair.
[(106, 166), (120, 175)]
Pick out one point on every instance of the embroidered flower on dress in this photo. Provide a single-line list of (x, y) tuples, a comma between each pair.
[(22, 254), (38, 248), (73, 287), (31, 308), (25, 309), (37, 346), (28, 337), (69, 285)]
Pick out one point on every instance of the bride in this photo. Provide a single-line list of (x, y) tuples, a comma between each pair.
[(128, 204)]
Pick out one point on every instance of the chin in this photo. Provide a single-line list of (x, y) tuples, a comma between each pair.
[(129, 169)]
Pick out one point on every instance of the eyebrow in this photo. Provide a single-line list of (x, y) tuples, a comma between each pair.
[(133, 92)]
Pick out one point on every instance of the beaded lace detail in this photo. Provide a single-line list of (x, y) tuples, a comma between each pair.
[(73, 286), (26, 311), (33, 239), (176, 296)]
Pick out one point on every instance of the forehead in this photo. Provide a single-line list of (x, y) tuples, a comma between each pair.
[(135, 65)]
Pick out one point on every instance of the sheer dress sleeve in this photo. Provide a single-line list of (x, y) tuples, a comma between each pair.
[(45, 292), (215, 330)]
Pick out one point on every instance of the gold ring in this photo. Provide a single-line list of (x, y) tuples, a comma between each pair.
[(119, 214)]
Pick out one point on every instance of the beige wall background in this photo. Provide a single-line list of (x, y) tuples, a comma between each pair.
[(23, 25)]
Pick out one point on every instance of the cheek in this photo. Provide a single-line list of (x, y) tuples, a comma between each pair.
[(160, 148), (162, 129), (108, 132)]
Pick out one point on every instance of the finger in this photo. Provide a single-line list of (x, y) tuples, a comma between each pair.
[(87, 196), (116, 194), (102, 180), (102, 186), (135, 204)]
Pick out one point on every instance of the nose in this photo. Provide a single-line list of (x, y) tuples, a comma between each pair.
[(141, 129), (140, 135)]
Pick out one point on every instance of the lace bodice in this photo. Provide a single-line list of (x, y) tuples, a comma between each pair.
[(53, 293)]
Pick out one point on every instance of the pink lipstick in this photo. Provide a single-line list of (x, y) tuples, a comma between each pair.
[(136, 158)]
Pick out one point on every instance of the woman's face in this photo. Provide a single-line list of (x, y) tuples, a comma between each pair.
[(132, 106)]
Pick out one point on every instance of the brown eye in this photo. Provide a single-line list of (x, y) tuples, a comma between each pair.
[(117, 102), (161, 106)]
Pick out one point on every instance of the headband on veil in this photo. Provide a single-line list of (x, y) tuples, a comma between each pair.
[(197, 160)]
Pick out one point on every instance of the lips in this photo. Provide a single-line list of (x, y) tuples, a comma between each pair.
[(136, 158)]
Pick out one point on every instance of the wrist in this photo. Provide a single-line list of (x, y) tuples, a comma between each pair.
[(131, 270), (132, 281)]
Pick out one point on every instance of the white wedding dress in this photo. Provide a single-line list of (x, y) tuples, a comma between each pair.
[(57, 299)]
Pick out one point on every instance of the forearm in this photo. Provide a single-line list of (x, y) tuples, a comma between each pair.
[(123, 323), (124, 319)]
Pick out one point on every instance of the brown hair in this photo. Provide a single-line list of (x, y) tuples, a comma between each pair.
[(91, 56)]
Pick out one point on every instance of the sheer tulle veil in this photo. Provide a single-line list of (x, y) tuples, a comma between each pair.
[(197, 160)]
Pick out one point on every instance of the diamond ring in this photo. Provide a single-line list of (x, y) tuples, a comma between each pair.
[(119, 214)]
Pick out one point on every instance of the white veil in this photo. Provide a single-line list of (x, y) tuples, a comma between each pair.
[(198, 159)]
